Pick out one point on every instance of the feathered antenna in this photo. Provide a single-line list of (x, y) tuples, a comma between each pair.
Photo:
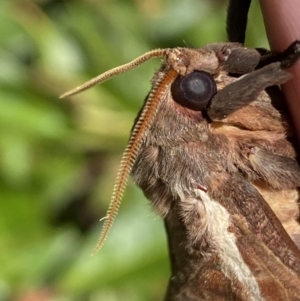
[(142, 125), (117, 70), (129, 156)]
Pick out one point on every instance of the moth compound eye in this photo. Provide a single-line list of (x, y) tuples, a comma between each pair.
[(194, 90)]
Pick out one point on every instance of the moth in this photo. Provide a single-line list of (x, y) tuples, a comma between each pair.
[(214, 151)]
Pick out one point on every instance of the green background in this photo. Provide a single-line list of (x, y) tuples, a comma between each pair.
[(59, 158)]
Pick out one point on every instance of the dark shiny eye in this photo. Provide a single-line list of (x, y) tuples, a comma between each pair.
[(194, 90)]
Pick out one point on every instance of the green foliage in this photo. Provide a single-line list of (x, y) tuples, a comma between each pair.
[(58, 158)]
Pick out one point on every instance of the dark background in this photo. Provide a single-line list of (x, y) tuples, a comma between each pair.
[(59, 158)]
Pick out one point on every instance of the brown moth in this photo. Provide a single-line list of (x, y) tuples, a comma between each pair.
[(212, 149)]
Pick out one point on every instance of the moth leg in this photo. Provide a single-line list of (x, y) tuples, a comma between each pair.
[(280, 172), (236, 22), (234, 58), (287, 58), (290, 55), (241, 60), (245, 90)]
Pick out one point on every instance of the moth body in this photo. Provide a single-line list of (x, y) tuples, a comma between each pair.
[(214, 151), (238, 148)]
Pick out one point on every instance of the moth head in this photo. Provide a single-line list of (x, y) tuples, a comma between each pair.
[(188, 74), (195, 84)]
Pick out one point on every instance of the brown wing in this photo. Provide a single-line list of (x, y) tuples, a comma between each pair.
[(252, 258)]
